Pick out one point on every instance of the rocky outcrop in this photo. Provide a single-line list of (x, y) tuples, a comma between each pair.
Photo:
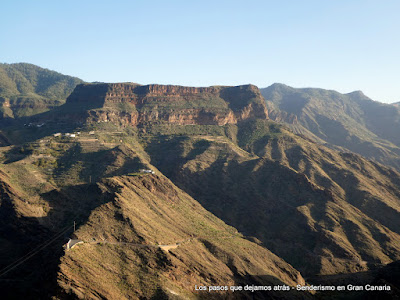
[(157, 89), (130, 104)]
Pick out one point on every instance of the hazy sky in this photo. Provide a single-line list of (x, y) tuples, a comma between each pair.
[(343, 45)]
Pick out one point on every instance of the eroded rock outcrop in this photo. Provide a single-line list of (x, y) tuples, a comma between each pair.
[(129, 104)]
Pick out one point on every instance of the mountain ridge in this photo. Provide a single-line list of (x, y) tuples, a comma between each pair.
[(242, 198), (26, 89), (343, 121), (129, 104)]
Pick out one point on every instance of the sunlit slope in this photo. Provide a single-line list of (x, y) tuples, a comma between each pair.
[(26, 89), (121, 258), (143, 236), (321, 210), (351, 121)]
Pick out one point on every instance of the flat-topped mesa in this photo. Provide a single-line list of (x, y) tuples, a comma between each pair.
[(157, 89), (131, 104)]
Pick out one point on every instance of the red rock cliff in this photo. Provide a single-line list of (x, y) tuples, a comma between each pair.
[(130, 104)]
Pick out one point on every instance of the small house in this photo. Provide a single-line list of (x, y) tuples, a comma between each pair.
[(72, 243), (147, 171)]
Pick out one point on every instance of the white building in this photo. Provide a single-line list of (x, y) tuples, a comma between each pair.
[(147, 171)]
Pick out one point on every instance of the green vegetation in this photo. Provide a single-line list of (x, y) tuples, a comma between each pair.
[(146, 235), (350, 121), (289, 190), (151, 211), (257, 130), (209, 102), (183, 130), (26, 89)]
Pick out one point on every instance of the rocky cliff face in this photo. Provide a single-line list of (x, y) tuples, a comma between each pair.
[(282, 116), (145, 235), (130, 104)]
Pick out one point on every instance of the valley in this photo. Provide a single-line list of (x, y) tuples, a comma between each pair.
[(174, 187)]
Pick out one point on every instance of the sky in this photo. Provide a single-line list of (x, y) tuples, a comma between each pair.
[(343, 45)]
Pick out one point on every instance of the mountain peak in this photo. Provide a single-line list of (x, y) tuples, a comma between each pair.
[(358, 95), (26, 89), (279, 86)]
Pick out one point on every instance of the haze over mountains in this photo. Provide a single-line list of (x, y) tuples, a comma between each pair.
[(234, 197), (351, 121)]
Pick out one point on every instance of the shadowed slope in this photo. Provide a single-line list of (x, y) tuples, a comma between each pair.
[(323, 211), (148, 211), (351, 121)]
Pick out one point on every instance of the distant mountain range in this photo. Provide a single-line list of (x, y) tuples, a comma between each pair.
[(342, 121), (174, 187)]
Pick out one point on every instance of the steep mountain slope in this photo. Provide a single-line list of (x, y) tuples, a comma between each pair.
[(266, 164), (147, 235), (387, 275), (351, 121), (323, 211), (26, 89), (121, 259), (143, 236)]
